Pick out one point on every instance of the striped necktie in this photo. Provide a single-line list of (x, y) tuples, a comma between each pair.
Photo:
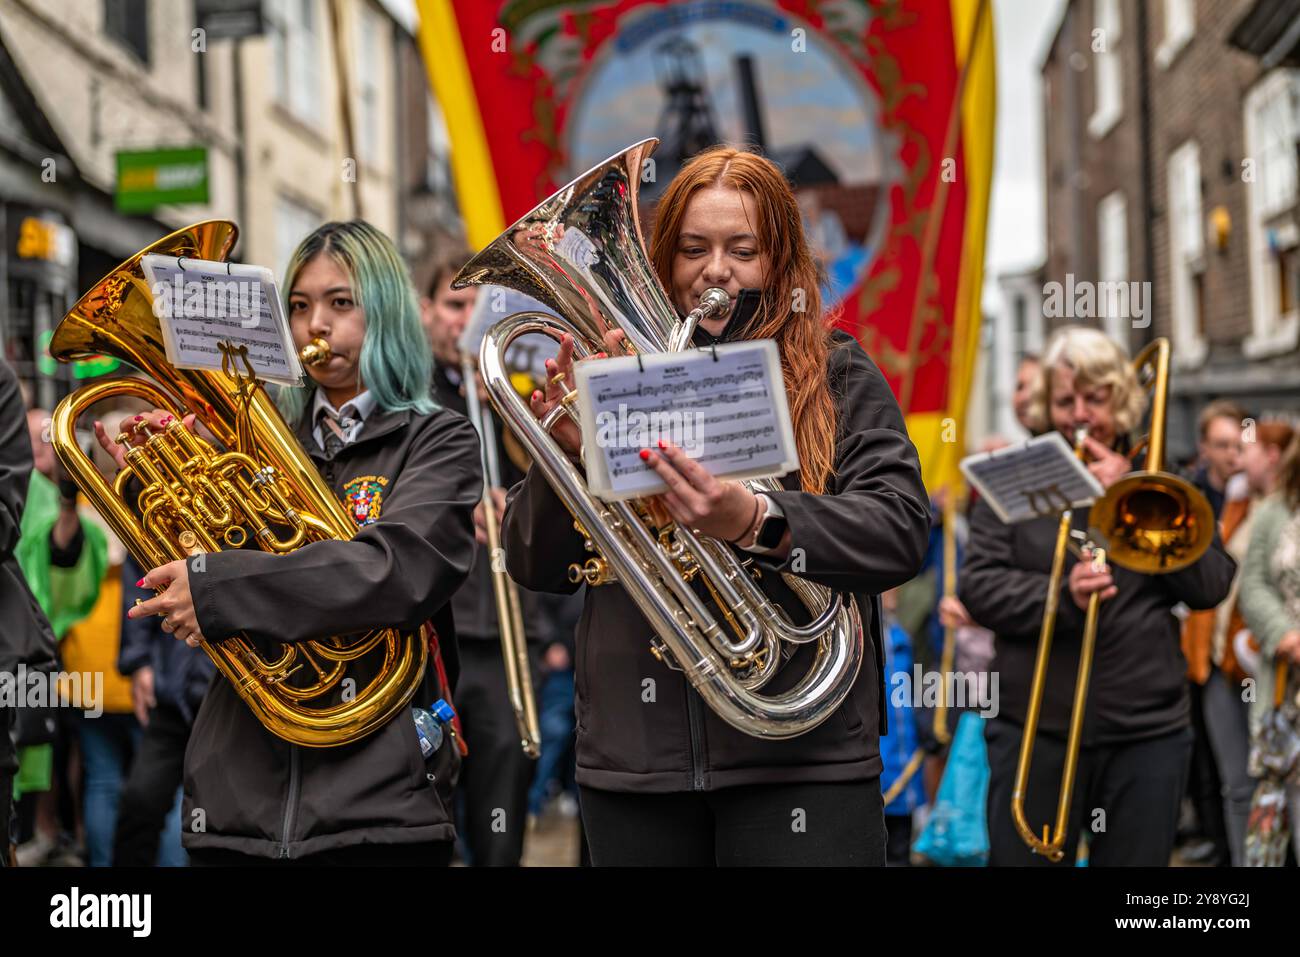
[(331, 432)]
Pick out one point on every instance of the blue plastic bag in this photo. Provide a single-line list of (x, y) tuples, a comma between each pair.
[(956, 833)]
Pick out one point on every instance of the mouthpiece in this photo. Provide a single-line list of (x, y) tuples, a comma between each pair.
[(315, 353), (713, 303)]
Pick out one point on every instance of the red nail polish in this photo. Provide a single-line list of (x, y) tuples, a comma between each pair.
[(139, 417), (645, 454), (140, 583), (662, 444)]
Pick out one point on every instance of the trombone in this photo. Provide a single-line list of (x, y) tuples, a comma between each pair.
[(1153, 523), (510, 619)]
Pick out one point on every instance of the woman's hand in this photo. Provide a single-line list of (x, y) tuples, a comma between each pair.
[(953, 614), (557, 657), (142, 696), (1107, 465), (1288, 648), (1085, 579), (696, 499), (176, 604), (480, 515), (566, 431), (135, 427)]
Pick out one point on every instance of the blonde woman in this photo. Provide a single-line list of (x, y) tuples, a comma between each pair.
[(1137, 736)]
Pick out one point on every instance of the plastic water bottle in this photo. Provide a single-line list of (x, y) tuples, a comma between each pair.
[(428, 726)]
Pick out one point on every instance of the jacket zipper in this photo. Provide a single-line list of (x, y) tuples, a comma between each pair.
[(291, 799), (697, 734)]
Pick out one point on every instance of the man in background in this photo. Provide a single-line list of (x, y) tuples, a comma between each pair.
[(1219, 428), (492, 795)]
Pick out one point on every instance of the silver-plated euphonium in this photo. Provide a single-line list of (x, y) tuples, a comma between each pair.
[(581, 253)]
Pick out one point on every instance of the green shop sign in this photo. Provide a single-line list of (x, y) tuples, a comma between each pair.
[(147, 179)]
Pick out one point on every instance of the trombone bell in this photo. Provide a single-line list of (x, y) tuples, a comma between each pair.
[(1155, 522)]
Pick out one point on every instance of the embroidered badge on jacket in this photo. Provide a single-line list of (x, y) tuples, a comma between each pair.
[(364, 497)]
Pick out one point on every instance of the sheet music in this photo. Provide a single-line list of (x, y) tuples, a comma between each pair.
[(1039, 477), (729, 413), (201, 304)]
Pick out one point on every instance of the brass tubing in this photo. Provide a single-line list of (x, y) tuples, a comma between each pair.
[(1051, 848)]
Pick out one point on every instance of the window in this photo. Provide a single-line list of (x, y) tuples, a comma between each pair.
[(437, 172), (127, 22), (1274, 152), (294, 28), (1186, 254), (369, 62), (1107, 85), (1112, 263), (1272, 239), (293, 221), (1179, 25)]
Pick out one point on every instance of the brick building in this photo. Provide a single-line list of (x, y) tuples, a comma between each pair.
[(1171, 160), (81, 82)]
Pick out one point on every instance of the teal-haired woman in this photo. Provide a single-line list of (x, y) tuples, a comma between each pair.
[(408, 473)]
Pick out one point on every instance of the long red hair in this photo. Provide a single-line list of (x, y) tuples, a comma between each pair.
[(803, 336)]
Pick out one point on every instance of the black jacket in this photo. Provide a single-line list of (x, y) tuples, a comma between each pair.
[(866, 536), (1138, 687), (265, 797), (25, 634)]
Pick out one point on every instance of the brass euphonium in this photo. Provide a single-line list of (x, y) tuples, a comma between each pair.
[(262, 491), (581, 253), (1151, 522)]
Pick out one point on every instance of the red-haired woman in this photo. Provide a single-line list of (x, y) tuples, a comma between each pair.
[(666, 781)]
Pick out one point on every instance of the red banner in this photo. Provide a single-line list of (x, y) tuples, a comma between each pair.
[(869, 107)]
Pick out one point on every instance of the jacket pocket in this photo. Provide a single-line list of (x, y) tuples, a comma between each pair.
[(850, 714), (414, 756), (377, 782), (236, 773)]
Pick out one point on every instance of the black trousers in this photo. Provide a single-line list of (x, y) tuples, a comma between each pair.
[(6, 812), (1126, 795), (150, 789), (435, 854), (898, 844), (492, 793), (8, 763), (835, 824), (1204, 785)]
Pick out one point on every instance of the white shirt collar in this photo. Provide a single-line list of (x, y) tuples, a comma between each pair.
[(359, 406), (357, 410)]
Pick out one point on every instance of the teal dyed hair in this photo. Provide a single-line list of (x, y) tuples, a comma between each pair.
[(396, 365)]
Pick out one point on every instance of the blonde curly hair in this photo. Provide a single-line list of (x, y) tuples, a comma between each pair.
[(1096, 361)]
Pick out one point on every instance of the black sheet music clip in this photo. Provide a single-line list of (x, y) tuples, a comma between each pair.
[(180, 264)]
